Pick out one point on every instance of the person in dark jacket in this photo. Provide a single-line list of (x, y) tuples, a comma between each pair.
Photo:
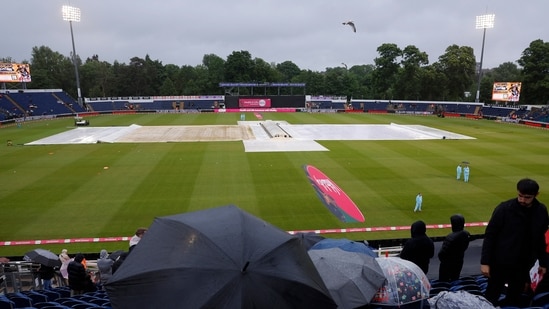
[(420, 248), (452, 250), (46, 273), (78, 277), (514, 239), (119, 261)]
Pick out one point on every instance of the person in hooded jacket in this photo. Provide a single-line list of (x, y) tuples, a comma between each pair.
[(78, 277), (104, 264), (453, 250), (420, 248)]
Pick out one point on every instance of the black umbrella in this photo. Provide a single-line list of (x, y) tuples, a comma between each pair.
[(309, 239), (217, 258), (352, 278), (44, 257), (115, 254)]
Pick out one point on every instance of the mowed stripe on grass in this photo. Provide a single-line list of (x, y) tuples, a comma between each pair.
[(62, 191)]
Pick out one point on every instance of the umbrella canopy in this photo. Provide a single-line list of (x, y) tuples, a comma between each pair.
[(309, 239), (44, 257), (352, 278), (345, 245), (406, 282), (115, 254), (217, 258)]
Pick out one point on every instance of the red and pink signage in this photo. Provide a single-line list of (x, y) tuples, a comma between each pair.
[(254, 102), (335, 199)]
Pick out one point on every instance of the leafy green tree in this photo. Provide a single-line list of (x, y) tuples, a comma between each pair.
[(97, 78), (188, 77), (409, 86), (386, 70), (535, 73), (363, 77), (288, 71), (262, 71), (168, 87), (433, 83), (335, 81), (202, 80), (171, 72), (506, 72), (215, 66), (50, 69), (315, 82), (239, 67), (459, 65)]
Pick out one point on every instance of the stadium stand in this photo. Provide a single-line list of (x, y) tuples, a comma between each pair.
[(29, 104)]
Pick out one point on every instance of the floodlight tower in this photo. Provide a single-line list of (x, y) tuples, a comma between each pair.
[(483, 22), (71, 14)]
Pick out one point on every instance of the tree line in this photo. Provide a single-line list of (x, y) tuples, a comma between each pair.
[(396, 74)]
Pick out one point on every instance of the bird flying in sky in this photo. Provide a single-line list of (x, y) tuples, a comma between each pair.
[(350, 23)]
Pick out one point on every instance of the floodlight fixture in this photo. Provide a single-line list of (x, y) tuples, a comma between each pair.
[(483, 22), (70, 14)]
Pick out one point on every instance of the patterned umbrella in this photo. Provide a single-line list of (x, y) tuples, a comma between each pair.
[(406, 283)]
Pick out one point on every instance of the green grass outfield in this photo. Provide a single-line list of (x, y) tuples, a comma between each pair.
[(62, 191)]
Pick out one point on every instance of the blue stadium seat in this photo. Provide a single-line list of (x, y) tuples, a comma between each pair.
[(35, 297), (46, 304), (5, 303), (63, 291), (51, 295), (541, 299), (20, 302)]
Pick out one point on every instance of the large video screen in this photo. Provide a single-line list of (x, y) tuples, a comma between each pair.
[(15, 73), (506, 91)]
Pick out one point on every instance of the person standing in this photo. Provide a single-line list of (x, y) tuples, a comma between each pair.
[(137, 237), (453, 249), (420, 248), (104, 264), (514, 239), (46, 273), (419, 201), (458, 172), (466, 173), (65, 260), (119, 261), (78, 277)]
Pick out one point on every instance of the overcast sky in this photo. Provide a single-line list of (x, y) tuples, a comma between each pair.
[(307, 32)]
